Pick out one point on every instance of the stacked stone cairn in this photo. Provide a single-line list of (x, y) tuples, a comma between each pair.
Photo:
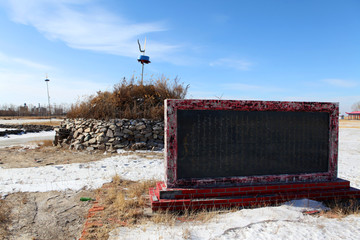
[(90, 134)]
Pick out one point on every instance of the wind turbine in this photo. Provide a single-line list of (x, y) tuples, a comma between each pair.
[(143, 59), (47, 80)]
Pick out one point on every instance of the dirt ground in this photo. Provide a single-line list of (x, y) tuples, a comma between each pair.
[(22, 157), (48, 215)]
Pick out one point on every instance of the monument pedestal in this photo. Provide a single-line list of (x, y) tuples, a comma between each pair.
[(267, 151), (172, 199)]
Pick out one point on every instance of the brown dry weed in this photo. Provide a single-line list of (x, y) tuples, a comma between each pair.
[(130, 99), (127, 203), (342, 208)]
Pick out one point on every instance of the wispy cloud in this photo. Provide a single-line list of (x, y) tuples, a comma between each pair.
[(241, 65), (251, 88), (20, 87), (9, 60), (92, 28), (340, 83)]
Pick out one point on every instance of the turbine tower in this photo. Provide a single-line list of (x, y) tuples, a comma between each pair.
[(47, 80)]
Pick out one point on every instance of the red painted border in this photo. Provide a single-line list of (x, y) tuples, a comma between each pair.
[(172, 105)]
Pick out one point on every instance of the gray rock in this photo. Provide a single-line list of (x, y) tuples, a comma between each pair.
[(140, 127), (87, 137), (148, 135), (119, 146), (101, 147), (76, 134), (78, 147), (118, 134), (138, 146), (128, 131), (110, 133), (158, 128), (138, 135), (104, 129), (80, 138), (100, 139)]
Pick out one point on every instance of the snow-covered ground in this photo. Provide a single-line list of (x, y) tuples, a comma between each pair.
[(349, 155), (5, 129), (24, 139), (76, 176), (283, 222), (287, 221), (26, 120)]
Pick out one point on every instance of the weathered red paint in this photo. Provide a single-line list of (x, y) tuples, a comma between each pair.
[(172, 106), (251, 195)]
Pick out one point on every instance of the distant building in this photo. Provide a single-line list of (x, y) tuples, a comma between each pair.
[(354, 115), (23, 110)]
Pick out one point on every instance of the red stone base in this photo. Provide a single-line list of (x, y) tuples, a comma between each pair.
[(243, 196)]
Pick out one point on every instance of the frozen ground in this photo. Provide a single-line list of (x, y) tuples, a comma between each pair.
[(18, 140), (349, 155), (22, 121), (282, 222), (24, 139), (76, 176)]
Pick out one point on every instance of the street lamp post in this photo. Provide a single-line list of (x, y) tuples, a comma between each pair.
[(47, 80)]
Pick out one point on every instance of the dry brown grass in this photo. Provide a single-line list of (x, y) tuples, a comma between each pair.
[(342, 208), (43, 143), (4, 219), (130, 100), (49, 123), (127, 204), (343, 123)]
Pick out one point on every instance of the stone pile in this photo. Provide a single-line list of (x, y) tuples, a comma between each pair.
[(91, 134)]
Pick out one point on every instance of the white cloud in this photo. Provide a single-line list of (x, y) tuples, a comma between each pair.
[(26, 87), (237, 64), (8, 60), (91, 28), (340, 83)]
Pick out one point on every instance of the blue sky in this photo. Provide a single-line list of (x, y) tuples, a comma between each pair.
[(264, 50)]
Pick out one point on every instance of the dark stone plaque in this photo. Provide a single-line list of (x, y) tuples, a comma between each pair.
[(225, 143)]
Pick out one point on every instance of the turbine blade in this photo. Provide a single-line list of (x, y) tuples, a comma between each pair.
[(139, 46)]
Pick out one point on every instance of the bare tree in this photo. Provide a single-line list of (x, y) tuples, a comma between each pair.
[(356, 106)]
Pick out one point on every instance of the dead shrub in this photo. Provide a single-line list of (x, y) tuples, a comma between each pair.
[(130, 100), (342, 207), (126, 203), (42, 143)]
